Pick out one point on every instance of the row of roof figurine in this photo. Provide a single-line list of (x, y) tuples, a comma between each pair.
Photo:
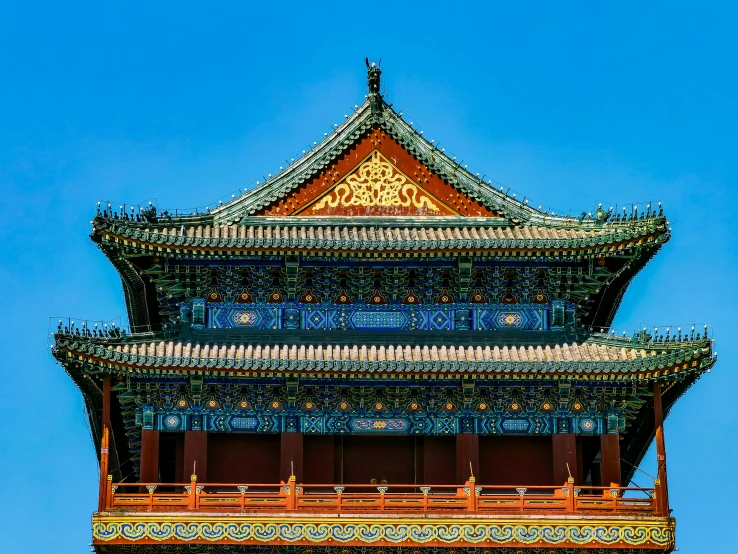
[(149, 213), (103, 330)]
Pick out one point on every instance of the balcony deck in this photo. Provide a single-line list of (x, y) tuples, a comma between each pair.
[(470, 515)]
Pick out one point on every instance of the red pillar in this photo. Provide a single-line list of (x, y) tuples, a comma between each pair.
[(660, 447), (106, 402), (291, 454), (467, 452), (105, 445), (195, 456), (149, 456), (565, 453), (610, 453)]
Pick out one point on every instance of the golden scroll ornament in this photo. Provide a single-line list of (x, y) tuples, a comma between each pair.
[(377, 183)]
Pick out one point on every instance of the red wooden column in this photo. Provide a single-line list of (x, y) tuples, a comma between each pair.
[(565, 452), (610, 464), (149, 456), (290, 456), (105, 446), (660, 447), (106, 402), (195, 456), (467, 451)]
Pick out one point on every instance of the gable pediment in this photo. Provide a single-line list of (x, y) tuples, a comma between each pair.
[(376, 177)]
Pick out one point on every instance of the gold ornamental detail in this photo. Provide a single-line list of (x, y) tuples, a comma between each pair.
[(377, 183)]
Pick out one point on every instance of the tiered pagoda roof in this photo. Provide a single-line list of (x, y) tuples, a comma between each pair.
[(376, 263)]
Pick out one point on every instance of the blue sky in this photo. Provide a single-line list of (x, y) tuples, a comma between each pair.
[(571, 104)]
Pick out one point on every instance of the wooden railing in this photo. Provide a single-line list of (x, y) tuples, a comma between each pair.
[(361, 499)]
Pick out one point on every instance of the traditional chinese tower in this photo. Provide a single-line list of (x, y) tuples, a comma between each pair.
[(375, 348)]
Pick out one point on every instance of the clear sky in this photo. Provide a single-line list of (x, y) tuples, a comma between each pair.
[(571, 104)]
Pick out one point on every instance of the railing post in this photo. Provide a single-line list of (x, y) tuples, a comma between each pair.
[(291, 493), (614, 493), (109, 493), (571, 501), (242, 489), (192, 491), (151, 489), (472, 493), (658, 510), (381, 490), (521, 498), (339, 493), (425, 491)]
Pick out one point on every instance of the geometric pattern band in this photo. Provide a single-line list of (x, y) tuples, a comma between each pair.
[(438, 318), (332, 423), (657, 533), (252, 548)]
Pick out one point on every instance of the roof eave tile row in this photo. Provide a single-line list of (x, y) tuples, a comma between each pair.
[(380, 238), (608, 362)]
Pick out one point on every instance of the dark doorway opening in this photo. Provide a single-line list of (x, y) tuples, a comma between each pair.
[(171, 457)]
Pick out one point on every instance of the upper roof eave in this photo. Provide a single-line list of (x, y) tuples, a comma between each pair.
[(357, 234)]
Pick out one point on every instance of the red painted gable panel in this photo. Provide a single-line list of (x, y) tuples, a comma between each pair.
[(377, 177)]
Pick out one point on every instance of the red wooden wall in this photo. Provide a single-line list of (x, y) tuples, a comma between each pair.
[(439, 460), (243, 458), (318, 459), (250, 458), (515, 461), (378, 457)]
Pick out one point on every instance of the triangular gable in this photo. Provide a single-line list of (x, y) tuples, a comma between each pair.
[(375, 126), (376, 177)]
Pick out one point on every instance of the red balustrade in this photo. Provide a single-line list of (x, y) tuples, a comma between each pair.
[(356, 499)]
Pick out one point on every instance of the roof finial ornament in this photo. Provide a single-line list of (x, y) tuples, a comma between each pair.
[(373, 75), (373, 81)]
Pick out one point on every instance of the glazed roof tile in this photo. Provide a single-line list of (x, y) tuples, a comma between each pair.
[(313, 233), (598, 355)]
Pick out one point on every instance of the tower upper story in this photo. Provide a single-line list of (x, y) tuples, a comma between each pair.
[(371, 213)]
